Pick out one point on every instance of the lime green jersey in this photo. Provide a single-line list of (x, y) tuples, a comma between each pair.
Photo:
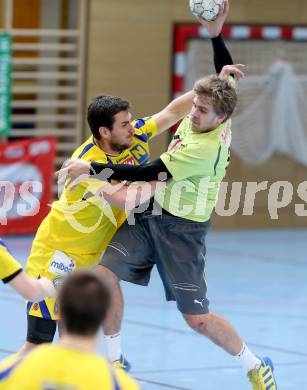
[(197, 162)]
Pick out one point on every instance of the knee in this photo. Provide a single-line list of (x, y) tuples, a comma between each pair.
[(109, 275), (199, 323)]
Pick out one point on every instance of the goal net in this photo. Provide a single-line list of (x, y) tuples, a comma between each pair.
[(271, 116)]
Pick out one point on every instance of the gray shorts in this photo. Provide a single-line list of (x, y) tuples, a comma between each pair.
[(175, 245)]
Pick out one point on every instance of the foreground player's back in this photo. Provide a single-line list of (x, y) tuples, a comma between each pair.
[(66, 368)]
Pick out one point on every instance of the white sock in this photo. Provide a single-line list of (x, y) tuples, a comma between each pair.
[(113, 347), (247, 359)]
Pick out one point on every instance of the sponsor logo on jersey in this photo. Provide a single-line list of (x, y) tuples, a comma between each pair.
[(57, 282), (128, 161), (61, 264), (140, 154)]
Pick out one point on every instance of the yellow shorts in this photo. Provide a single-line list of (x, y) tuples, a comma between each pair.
[(54, 265)]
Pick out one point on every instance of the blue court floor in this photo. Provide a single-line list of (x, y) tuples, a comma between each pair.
[(256, 279)]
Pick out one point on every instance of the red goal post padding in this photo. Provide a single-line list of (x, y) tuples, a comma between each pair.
[(184, 32)]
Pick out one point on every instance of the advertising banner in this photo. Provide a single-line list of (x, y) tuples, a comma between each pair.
[(26, 173)]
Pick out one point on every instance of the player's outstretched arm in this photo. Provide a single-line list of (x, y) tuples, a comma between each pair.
[(180, 107), (32, 289), (221, 55), (124, 196), (174, 112), (128, 196), (79, 170)]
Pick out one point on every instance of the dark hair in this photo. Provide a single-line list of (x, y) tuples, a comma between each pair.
[(101, 112), (84, 300), (221, 92)]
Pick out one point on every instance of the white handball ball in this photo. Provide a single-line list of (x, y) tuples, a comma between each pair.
[(206, 9)]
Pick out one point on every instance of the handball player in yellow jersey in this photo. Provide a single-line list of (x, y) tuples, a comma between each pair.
[(80, 224), (72, 363)]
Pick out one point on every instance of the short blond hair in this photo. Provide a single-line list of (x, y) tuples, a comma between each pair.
[(220, 92)]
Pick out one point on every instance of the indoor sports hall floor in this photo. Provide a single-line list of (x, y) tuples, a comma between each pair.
[(257, 279)]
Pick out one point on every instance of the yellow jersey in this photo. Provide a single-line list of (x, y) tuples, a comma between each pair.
[(57, 367), (9, 267), (80, 224)]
